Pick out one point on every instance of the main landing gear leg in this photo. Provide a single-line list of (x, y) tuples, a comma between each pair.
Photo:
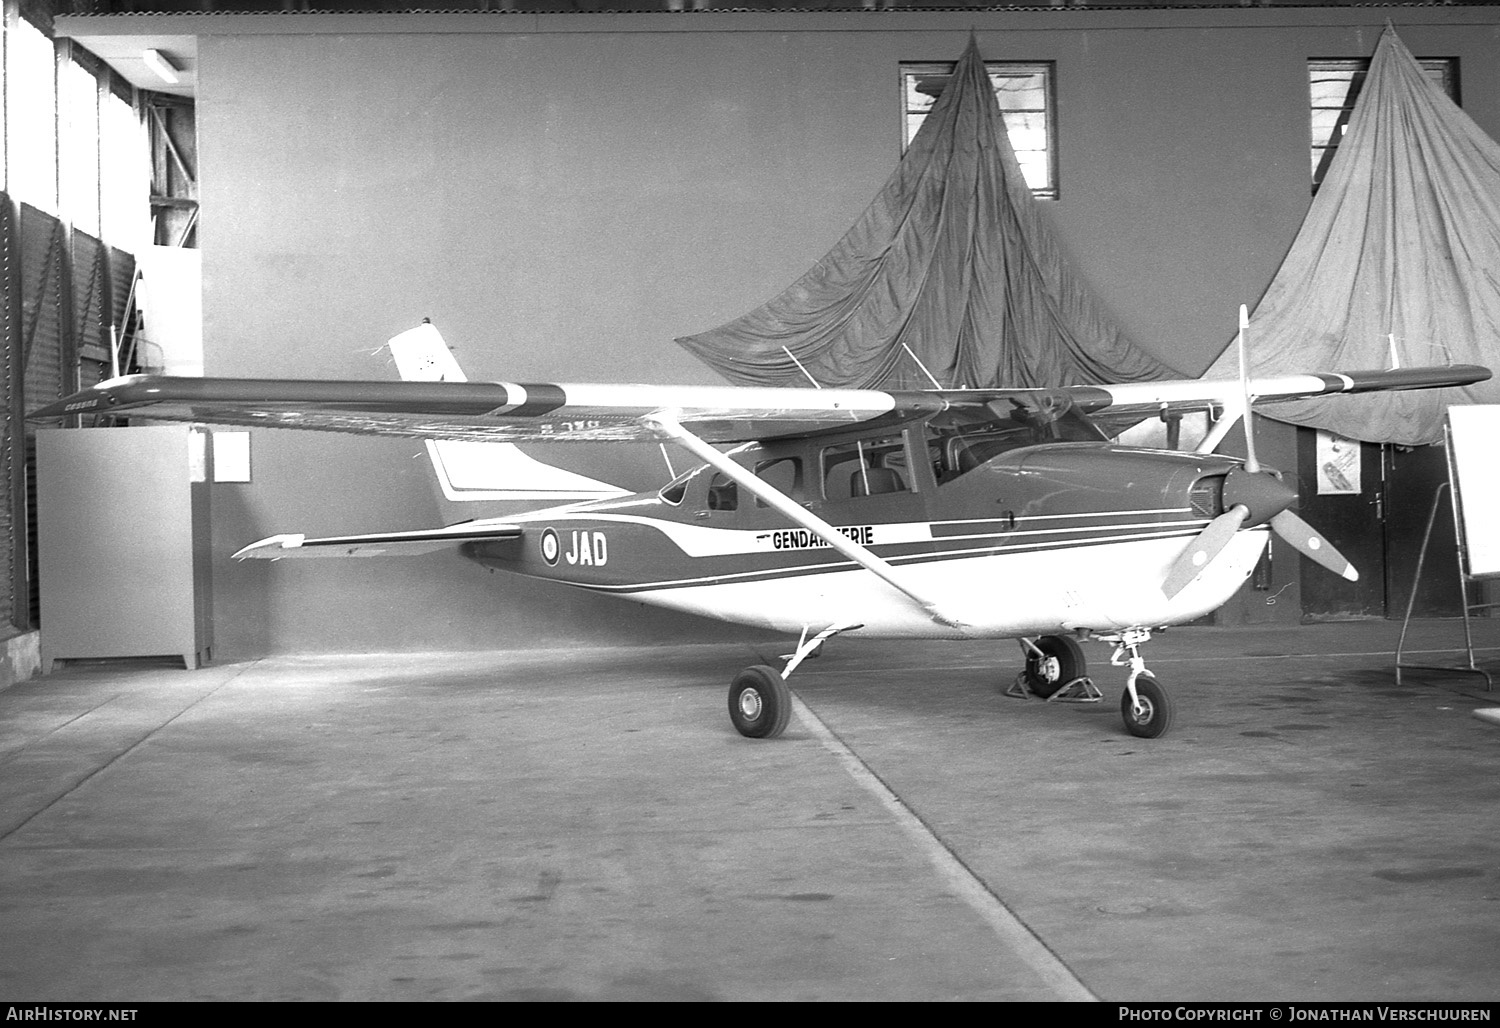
[(760, 704), (1144, 705)]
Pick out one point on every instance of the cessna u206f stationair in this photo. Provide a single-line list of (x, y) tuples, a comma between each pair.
[(889, 514)]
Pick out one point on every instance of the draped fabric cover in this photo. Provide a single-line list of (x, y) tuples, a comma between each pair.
[(953, 262), (1403, 240)]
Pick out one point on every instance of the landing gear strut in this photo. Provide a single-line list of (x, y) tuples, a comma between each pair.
[(760, 704), (1056, 672)]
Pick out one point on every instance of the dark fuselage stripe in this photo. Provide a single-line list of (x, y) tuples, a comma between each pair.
[(804, 570)]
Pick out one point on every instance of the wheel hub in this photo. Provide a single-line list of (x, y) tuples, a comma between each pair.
[(750, 704)]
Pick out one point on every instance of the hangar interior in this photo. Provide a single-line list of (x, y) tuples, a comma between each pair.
[(599, 192)]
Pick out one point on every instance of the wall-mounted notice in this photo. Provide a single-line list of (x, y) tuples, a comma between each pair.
[(1338, 465)]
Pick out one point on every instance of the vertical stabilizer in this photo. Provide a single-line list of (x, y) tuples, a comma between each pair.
[(471, 471)]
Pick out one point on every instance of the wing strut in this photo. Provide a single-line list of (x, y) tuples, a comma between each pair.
[(665, 424)]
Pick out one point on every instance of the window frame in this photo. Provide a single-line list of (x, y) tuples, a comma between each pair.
[(912, 118), (1442, 70)]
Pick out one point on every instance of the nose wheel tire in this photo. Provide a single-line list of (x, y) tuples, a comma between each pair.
[(759, 702), (1155, 714)]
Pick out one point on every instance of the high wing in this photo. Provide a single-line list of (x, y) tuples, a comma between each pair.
[(695, 417), (494, 411), (549, 412)]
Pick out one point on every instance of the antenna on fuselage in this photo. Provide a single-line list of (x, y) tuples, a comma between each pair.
[(1251, 464), (800, 368), (930, 376)]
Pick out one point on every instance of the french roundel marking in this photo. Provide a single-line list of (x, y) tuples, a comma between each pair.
[(551, 548)]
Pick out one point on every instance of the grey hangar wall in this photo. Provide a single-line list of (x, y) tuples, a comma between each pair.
[(564, 194)]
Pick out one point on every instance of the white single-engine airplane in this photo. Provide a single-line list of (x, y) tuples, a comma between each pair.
[(944, 514)]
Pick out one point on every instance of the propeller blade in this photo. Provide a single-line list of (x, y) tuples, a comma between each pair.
[(1203, 549), (1303, 538)]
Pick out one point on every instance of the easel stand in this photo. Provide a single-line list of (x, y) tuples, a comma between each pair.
[(1465, 578)]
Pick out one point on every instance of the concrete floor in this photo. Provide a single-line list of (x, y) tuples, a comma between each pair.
[(587, 825)]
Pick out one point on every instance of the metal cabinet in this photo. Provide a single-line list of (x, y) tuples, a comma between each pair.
[(123, 556)]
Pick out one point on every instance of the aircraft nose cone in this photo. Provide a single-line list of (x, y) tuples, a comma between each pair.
[(1262, 493)]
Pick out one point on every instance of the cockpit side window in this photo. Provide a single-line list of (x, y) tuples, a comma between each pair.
[(866, 467), (723, 493), (784, 474)]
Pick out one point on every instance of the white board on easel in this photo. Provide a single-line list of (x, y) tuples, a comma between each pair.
[(1475, 473)]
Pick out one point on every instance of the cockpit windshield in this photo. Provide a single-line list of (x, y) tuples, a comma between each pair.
[(965, 439)]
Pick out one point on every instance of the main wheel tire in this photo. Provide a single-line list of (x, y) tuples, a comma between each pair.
[(1156, 714), (759, 702), (1060, 662)]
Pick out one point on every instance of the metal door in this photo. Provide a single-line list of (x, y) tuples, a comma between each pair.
[(1351, 521), (1379, 528)]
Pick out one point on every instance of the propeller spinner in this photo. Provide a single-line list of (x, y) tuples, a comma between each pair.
[(1253, 497)]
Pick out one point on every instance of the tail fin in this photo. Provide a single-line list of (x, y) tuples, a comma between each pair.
[(472, 471)]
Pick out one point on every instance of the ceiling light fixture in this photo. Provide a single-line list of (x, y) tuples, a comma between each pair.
[(163, 66)]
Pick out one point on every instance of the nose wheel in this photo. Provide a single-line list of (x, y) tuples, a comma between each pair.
[(1145, 705)]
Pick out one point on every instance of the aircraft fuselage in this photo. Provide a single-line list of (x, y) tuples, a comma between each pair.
[(1023, 530)]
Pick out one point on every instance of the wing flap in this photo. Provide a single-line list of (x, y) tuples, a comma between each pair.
[(377, 544)]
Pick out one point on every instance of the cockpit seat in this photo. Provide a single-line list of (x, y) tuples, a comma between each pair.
[(874, 482)]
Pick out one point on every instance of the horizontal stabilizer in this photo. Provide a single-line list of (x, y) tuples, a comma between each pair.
[(378, 544)]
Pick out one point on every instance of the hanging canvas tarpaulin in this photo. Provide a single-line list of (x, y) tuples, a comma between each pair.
[(950, 273), (1397, 261)]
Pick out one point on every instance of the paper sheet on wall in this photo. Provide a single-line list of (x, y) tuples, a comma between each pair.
[(1338, 465)]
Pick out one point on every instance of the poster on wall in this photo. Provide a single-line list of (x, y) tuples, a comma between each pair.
[(1338, 465)]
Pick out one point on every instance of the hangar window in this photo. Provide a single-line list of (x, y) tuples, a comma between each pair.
[(30, 116), (1024, 92), (1334, 86)]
